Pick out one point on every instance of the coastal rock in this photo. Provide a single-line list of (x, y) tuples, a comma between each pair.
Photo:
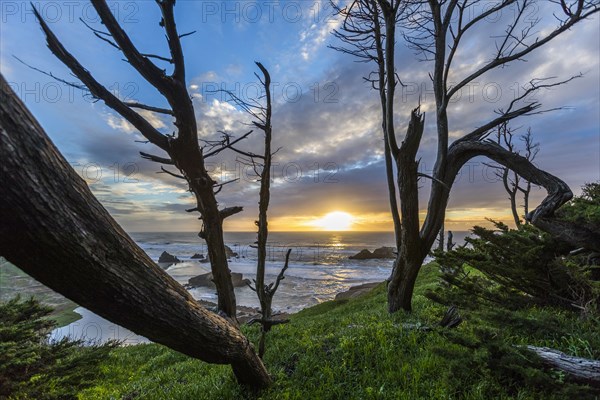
[(244, 314), (384, 252), (380, 253), (197, 256), (356, 291), (230, 253), (362, 255), (168, 258), (206, 280)]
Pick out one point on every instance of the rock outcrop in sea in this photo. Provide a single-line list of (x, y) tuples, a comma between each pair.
[(206, 280), (168, 258), (380, 253)]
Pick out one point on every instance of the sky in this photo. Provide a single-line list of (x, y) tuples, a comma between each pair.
[(326, 118)]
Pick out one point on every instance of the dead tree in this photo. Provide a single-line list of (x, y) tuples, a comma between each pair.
[(363, 35), (581, 370), (450, 244), (441, 238), (261, 164), (512, 182), (54, 229), (183, 148), (436, 29)]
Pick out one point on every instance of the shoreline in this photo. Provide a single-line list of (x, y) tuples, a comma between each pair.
[(93, 329), (245, 313)]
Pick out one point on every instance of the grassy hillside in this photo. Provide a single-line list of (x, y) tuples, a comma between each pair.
[(353, 349), (15, 282)]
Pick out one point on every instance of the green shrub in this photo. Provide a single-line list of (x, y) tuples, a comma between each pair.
[(34, 367), (515, 268), (584, 209)]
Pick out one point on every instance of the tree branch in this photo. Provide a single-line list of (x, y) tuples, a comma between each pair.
[(168, 22), (573, 18), (99, 91), (143, 65), (161, 160), (229, 211), (281, 276), (159, 110), (558, 191)]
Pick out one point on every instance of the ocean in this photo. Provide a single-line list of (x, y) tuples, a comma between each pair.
[(319, 268)]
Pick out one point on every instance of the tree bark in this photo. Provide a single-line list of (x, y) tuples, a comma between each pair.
[(579, 369), (54, 229), (410, 253), (184, 150)]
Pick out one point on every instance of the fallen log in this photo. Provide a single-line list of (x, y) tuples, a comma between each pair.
[(54, 229), (581, 370)]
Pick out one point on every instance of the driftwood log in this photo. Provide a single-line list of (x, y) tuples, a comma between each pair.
[(581, 370), (54, 229)]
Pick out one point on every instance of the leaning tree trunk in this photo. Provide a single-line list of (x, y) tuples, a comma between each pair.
[(53, 228)]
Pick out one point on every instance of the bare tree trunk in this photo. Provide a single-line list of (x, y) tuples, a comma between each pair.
[(262, 120), (54, 229), (410, 254), (436, 29), (441, 238), (526, 193), (512, 196), (184, 151), (450, 244)]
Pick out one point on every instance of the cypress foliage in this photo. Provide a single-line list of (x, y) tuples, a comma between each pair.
[(34, 367)]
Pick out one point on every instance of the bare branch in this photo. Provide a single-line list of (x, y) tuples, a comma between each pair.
[(83, 88), (252, 288), (229, 211), (225, 143), (101, 35), (159, 110), (421, 174), (99, 91), (171, 173), (219, 186), (583, 11), (168, 21), (558, 191), (142, 64), (157, 159), (281, 275), (186, 34)]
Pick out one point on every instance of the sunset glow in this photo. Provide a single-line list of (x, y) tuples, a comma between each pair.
[(335, 221)]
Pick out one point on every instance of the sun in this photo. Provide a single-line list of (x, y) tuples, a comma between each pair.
[(335, 221)]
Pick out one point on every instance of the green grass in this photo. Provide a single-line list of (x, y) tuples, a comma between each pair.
[(353, 349), (15, 282)]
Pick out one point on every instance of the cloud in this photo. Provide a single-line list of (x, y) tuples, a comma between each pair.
[(326, 120), (121, 124)]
